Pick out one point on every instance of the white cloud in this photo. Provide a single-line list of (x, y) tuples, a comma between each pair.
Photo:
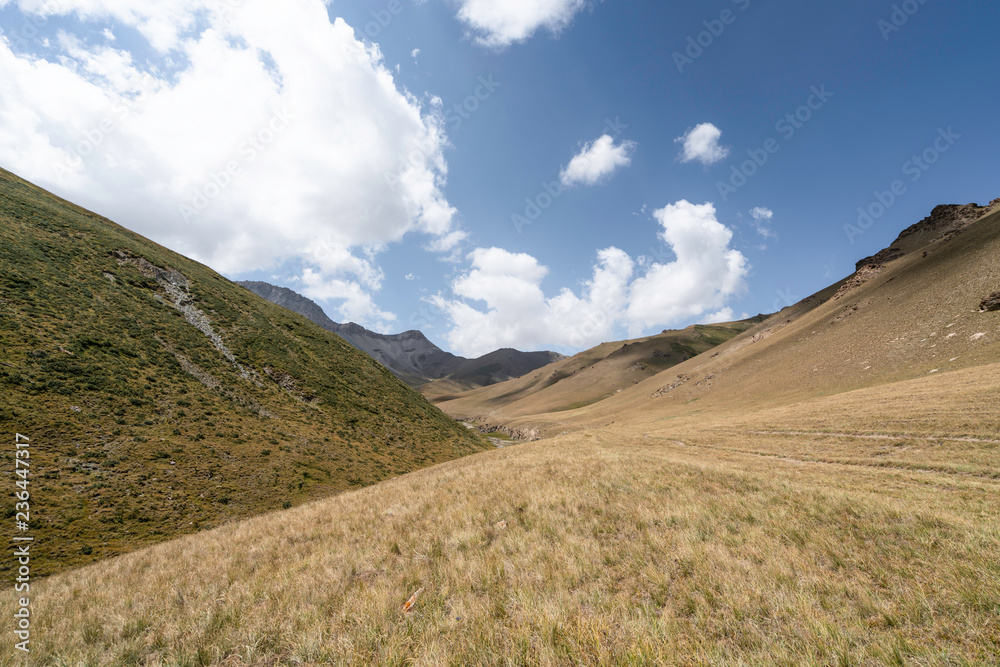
[(414, 53), (500, 23), (500, 301), (597, 160), (518, 314), (448, 242), (702, 145), (704, 275), (267, 135), (761, 216), (725, 315)]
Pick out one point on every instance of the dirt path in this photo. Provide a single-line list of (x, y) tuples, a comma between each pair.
[(901, 436)]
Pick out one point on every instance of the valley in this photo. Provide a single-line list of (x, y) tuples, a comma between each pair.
[(817, 486)]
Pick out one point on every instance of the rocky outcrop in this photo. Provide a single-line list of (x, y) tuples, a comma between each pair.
[(526, 434), (944, 223), (863, 275), (990, 303), (663, 391), (178, 288)]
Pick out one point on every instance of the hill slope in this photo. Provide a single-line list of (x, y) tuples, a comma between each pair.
[(590, 376), (410, 355), (161, 398)]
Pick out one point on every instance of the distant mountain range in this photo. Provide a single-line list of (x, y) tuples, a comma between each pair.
[(410, 355)]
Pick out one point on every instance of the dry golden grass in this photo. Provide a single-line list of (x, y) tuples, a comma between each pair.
[(692, 542), (811, 495)]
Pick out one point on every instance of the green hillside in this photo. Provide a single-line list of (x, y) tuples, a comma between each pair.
[(162, 399)]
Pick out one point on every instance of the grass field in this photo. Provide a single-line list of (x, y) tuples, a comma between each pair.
[(721, 542)]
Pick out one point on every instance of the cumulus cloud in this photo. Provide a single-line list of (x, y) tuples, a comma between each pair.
[(500, 301), (500, 23), (704, 275), (597, 160), (701, 144), (264, 136)]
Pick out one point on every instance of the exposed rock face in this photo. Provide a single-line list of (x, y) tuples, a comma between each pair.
[(864, 273), (528, 434), (944, 223), (178, 288), (991, 303)]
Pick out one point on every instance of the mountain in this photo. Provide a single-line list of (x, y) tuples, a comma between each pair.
[(161, 399), (822, 489), (410, 355)]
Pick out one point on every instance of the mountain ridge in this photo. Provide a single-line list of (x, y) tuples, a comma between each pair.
[(410, 355)]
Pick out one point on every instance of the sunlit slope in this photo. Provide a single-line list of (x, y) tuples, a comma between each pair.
[(160, 398), (706, 541), (590, 376), (918, 317)]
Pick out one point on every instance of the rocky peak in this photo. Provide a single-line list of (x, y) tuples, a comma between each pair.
[(944, 222)]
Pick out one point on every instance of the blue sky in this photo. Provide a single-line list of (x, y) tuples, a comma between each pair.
[(510, 173)]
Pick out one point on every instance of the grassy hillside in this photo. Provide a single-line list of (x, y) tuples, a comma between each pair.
[(586, 378), (697, 541), (162, 399)]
